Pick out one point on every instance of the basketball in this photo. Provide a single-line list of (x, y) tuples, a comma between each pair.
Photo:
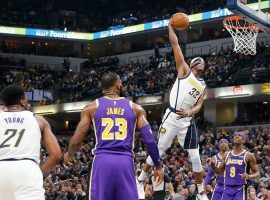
[(180, 21)]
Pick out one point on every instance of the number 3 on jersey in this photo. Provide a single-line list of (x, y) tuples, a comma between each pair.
[(109, 123)]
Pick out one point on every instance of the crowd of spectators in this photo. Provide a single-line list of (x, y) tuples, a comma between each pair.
[(91, 16), (226, 68), (69, 182), (30, 78)]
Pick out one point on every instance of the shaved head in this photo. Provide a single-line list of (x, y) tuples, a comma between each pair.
[(108, 80)]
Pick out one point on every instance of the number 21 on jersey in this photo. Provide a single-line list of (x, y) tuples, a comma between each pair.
[(10, 134), (109, 123)]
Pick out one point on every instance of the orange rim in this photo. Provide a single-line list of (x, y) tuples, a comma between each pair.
[(237, 18)]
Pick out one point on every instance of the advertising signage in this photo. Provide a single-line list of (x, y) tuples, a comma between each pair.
[(58, 34)]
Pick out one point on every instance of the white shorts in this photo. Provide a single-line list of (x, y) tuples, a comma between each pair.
[(21, 180), (185, 129)]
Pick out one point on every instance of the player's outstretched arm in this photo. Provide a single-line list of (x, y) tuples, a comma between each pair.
[(51, 144), (180, 63), (149, 141), (221, 168), (80, 132), (147, 135), (251, 160)]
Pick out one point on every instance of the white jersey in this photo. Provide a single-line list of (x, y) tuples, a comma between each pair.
[(19, 136), (186, 92)]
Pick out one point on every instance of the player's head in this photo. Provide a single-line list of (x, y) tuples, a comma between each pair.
[(239, 138), (197, 64), (14, 95), (223, 145), (111, 81)]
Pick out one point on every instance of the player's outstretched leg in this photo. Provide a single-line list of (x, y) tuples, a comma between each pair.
[(198, 173), (167, 132)]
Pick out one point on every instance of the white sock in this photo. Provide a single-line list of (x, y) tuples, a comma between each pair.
[(200, 187), (142, 176)]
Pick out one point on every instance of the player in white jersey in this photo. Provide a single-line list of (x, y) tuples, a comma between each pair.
[(20, 135), (186, 99)]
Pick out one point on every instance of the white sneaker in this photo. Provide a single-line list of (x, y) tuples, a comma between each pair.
[(202, 196)]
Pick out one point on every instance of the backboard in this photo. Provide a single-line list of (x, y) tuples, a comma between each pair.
[(250, 13)]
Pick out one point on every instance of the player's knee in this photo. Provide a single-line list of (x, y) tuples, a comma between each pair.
[(149, 161), (195, 160)]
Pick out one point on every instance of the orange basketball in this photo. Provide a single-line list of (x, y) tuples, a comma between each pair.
[(180, 21)]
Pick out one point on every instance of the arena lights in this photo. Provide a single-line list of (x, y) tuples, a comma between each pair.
[(119, 31)]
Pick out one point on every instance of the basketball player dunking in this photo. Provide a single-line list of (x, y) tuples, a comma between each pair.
[(20, 135), (114, 120), (223, 148), (236, 164), (186, 99)]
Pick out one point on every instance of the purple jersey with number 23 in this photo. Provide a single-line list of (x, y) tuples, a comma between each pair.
[(113, 174)]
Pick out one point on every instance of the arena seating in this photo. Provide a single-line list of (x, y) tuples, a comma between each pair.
[(224, 69)]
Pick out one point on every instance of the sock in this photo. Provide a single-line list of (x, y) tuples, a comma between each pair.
[(142, 176), (200, 188)]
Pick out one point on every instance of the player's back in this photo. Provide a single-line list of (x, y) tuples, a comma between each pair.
[(19, 136), (114, 122)]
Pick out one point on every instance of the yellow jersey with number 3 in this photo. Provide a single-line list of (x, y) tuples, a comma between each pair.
[(19, 136)]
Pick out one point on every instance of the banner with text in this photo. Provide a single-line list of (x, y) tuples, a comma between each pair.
[(119, 31)]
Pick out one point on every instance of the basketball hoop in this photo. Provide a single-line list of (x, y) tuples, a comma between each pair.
[(244, 34)]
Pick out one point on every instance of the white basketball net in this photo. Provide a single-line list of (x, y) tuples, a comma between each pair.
[(244, 34)]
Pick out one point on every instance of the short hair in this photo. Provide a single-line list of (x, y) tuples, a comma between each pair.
[(12, 95), (108, 80)]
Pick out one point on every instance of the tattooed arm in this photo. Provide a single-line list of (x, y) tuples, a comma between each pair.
[(81, 131)]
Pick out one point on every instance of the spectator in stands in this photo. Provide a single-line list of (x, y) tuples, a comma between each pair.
[(264, 193), (191, 192)]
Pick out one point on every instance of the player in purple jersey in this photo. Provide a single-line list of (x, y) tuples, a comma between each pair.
[(223, 148), (114, 120), (236, 164)]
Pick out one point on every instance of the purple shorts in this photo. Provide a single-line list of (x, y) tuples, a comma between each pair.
[(218, 191), (237, 192), (113, 178)]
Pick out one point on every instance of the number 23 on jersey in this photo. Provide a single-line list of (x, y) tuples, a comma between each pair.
[(109, 123)]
